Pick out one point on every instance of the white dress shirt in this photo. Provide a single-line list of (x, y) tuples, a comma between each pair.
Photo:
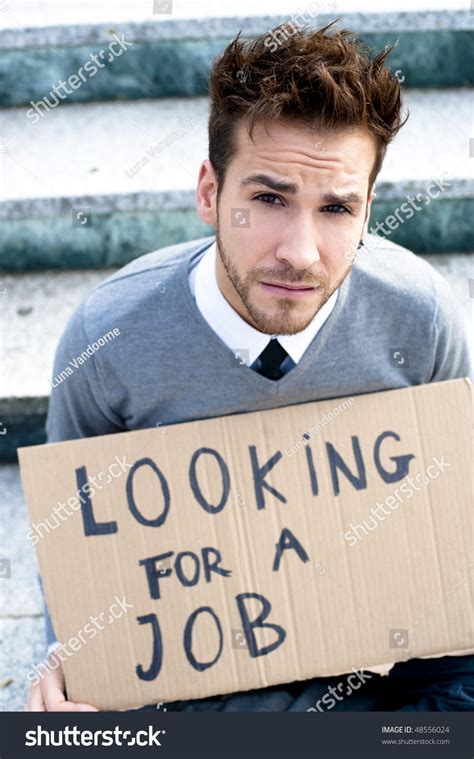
[(234, 331)]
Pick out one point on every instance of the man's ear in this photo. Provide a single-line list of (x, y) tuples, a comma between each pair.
[(365, 228), (206, 193)]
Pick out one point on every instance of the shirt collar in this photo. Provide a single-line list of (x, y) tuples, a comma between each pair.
[(235, 331)]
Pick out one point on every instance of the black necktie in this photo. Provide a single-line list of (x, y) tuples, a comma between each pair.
[(271, 360)]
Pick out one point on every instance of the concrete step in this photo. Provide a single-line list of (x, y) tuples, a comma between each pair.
[(95, 185), (36, 308), (174, 41), (21, 610)]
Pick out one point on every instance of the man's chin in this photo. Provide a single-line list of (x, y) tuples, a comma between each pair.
[(283, 323)]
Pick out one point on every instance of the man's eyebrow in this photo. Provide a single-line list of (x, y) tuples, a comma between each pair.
[(274, 184), (349, 197), (292, 189)]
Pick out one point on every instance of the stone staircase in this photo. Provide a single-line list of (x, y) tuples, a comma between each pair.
[(110, 173)]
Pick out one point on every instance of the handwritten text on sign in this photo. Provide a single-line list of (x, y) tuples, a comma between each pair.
[(190, 568)]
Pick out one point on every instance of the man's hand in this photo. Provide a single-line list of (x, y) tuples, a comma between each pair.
[(48, 695)]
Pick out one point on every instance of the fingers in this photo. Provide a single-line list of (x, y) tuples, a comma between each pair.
[(55, 700), (54, 697), (35, 700)]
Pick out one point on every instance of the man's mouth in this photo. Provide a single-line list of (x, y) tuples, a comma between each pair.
[(290, 290)]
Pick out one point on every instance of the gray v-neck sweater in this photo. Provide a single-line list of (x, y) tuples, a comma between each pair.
[(138, 353), (395, 324)]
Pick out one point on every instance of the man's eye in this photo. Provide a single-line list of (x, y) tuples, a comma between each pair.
[(336, 208), (267, 195)]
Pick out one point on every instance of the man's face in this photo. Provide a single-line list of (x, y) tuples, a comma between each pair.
[(304, 207)]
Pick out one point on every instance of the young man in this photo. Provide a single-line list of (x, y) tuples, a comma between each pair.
[(277, 308)]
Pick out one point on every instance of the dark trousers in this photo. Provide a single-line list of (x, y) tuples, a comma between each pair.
[(445, 684)]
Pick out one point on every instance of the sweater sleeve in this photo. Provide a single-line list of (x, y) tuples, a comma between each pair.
[(78, 404), (452, 356)]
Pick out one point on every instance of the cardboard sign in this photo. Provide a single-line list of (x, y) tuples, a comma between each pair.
[(259, 548)]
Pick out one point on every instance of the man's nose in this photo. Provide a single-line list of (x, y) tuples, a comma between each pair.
[(299, 249)]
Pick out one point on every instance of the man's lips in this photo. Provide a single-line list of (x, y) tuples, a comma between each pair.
[(292, 290), (290, 287)]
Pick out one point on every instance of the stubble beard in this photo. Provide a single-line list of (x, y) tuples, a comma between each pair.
[(286, 320)]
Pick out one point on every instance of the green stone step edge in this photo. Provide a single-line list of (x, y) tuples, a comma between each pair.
[(180, 68), (116, 237)]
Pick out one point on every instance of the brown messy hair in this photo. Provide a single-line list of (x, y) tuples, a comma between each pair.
[(319, 80)]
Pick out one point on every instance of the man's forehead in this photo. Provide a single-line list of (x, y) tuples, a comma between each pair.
[(280, 148)]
